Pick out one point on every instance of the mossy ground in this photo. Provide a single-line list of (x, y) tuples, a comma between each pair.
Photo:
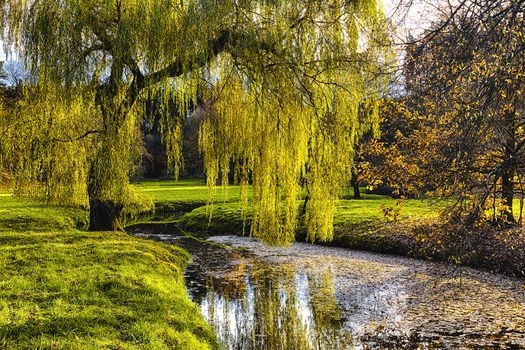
[(61, 288)]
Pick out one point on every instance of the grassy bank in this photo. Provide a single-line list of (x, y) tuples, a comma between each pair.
[(190, 198), (61, 288), (358, 224), (374, 223)]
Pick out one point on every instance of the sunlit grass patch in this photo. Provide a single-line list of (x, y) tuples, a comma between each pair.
[(186, 191), (61, 288), (359, 211), (184, 196)]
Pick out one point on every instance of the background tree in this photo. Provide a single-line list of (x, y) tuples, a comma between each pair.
[(467, 73), (17, 76), (397, 162), (286, 78), (9, 95)]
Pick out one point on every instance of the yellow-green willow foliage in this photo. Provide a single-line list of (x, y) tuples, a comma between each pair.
[(296, 130), (6, 119), (42, 141), (285, 80)]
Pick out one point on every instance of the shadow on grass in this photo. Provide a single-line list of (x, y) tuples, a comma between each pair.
[(27, 223)]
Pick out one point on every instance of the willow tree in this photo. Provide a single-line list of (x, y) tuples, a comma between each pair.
[(285, 80)]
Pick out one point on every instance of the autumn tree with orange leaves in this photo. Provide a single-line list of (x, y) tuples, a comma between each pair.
[(467, 77)]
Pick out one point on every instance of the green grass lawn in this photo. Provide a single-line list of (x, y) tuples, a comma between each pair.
[(61, 288), (226, 209), (187, 191), (370, 208)]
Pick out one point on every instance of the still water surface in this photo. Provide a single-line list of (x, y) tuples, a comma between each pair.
[(312, 297)]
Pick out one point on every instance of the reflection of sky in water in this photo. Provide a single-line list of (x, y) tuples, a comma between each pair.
[(312, 297), (303, 297), (275, 309)]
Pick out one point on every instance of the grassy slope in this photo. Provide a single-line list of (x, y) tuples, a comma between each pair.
[(61, 288), (176, 198), (348, 210)]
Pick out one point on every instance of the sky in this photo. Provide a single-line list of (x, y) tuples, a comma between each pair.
[(412, 16)]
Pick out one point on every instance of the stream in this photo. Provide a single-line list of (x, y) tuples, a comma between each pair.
[(314, 297)]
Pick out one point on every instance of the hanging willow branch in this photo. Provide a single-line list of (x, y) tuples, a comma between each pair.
[(288, 79)]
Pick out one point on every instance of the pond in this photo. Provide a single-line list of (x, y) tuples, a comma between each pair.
[(314, 297)]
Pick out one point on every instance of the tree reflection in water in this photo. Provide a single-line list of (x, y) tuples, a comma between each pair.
[(386, 302), (274, 307)]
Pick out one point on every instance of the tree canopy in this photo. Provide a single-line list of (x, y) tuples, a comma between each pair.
[(467, 78), (290, 85)]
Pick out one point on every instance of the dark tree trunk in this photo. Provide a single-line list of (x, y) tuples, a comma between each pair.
[(508, 169), (355, 184), (507, 195), (104, 215), (305, 204), (305, 181)]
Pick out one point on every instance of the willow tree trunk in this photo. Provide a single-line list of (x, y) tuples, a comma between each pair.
[(108, 178), (104, 215), (507, 194)]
